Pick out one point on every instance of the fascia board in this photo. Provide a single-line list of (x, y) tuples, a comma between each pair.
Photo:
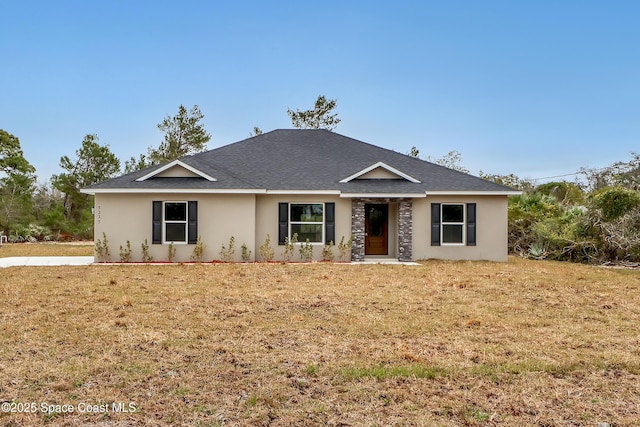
[(171, 190), (474, 193)]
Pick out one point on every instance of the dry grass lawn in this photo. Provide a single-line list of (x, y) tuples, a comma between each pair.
[(445, 344), (46, 249)]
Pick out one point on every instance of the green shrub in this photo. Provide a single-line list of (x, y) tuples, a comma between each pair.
[(145, 252), (289, 245), (537, 251), (306, 251), (327, 252), (102, 249), (246, 253), (228, 254), (566, 193), (125, 253), (266, 251), (198, 250), (524, 212), (345, 248), (614, 202), (29, 233)]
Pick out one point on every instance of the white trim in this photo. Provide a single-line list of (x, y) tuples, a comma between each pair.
[(463, 224), (172, 164), (304, 192), (474, 193), (383, 195), (383, 166), (295, 192), (172, 191), (185, 222), (211, 190)]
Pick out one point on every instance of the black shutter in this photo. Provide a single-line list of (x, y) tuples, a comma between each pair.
[(192, 232), (156, 219), (283, 222), (471, 224), (435, 224), (329, 223)]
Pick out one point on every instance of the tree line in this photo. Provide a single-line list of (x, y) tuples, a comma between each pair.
[(58, 210), (594, 219)]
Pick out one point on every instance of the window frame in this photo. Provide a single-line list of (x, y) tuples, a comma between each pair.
[(462, 224), (185, 222), (321, 223)]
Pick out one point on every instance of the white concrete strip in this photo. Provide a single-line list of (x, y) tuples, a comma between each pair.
[(385, 262), (34, 261), (18, 261)]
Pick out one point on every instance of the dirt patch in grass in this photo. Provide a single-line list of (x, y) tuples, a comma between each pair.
[(444, 344), (46, 249)]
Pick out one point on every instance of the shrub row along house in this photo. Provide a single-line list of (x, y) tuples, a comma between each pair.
[(316, 184)]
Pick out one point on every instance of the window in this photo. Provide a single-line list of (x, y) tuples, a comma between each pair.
[(307, 219), (175, 222), (313, 221), (452, 224)]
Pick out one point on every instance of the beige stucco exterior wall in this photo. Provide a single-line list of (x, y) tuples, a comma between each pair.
[(267, 221), (125, 217), (249, 218), (491, 229)]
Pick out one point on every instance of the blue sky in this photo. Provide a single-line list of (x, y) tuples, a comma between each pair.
[(535, 88)]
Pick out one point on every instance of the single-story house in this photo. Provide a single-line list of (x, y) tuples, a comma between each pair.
[(324, 186)]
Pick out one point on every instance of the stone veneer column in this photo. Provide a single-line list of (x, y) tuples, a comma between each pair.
[(357, 229), (405, 230)]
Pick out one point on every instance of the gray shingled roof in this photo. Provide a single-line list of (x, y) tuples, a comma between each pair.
[(313, 159)]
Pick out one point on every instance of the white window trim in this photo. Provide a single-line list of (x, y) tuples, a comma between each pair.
[(321, 242), (165, 222), (463, 224)]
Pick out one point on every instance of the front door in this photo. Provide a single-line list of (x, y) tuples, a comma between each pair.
[(376, 226)]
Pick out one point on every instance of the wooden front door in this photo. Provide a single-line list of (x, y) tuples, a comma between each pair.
[(376, 226)]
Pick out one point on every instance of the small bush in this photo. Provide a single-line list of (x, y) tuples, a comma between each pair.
[(125, 253), (29, 233), (289, 245), (327, 252), (537, 251), (228, 254), (198, 250), (246, 253), (345, 248), (102, 249), (306, 251), (145, 252), (266, 251)]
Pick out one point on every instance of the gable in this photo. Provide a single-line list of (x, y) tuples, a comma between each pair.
[(379, 173), (380, 170), (176, 172), (176, 169)]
